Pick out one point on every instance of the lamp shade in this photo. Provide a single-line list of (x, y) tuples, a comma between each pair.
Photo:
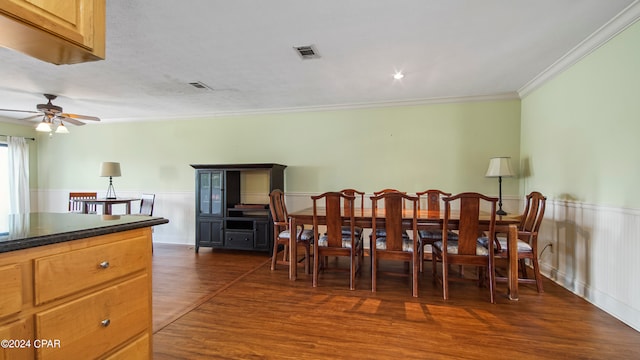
[(110, 169), (500, 166)]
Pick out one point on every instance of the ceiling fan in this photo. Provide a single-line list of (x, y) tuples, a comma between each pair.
[(53, 115)]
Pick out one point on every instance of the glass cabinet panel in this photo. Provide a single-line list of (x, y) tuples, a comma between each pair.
[(210, 193)]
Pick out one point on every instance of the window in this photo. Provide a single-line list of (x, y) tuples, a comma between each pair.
[(4, 187)]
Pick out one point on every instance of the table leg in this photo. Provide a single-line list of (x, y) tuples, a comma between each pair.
[(128, 206), (512, 239), (293, 250)]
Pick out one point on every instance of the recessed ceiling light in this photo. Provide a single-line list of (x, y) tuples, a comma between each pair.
[(398, 75)]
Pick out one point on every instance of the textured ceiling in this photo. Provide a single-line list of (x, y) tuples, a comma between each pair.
[(243, 50)]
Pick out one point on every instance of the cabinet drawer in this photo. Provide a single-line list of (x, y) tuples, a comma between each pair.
[(95, 324), (239, 239), (136, 350), (10, 290), (59, 275), (20, 331)]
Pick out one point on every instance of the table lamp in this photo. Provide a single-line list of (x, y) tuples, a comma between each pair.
[(500, 167), (110, 169)]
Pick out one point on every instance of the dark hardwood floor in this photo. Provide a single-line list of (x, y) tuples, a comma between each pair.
[(229, 305)]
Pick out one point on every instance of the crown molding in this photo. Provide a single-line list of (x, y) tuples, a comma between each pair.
[(606, 32)]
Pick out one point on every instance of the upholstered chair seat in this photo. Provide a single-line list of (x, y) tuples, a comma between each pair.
[(407, 243), (522, 245), (452, 248), (323, 241), (306, 235)]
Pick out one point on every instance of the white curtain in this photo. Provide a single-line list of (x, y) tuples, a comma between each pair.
[(18, 153)]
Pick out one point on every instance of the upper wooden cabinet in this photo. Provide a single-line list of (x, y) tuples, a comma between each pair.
[(59, 32)]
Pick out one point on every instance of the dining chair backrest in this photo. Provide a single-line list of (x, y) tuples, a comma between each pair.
[(335, 204), (75, 206), (533, 213), (393, 215), (358, 196), (469, 227), (433, 200), (278, 208), (146, 204), (387, 191)]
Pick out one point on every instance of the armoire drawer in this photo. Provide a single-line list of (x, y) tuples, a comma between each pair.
[(238, 239), (59, 275)]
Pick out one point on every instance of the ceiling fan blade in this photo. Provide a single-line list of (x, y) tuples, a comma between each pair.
[(70, 120), (34, 117), (25, 111), (83, 117)]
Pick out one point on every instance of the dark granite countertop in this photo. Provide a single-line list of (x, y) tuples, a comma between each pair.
[(38, 229)]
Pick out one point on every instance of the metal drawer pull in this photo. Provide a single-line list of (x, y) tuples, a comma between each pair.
[(104, 264), (105, 322)]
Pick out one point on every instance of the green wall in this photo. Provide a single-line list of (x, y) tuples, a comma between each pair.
[(580, 130), (412, 148)]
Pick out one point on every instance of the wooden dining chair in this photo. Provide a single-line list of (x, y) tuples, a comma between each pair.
[(434, 232), (466, 250), (357, 200), (146, 204), (528, 229), (394, 245), (281, 234), (339, 211), (76, 206), (381, 231)]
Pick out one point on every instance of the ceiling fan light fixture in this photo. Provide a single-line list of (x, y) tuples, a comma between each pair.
[(61, 129), (44, 126)]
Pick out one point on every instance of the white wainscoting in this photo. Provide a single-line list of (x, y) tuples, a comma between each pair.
[(594, 254)]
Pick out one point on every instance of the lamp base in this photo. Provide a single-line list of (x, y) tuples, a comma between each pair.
[(501, 212), (111, 193)]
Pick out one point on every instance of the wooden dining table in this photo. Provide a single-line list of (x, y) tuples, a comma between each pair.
[(506, 224), (107, 204)]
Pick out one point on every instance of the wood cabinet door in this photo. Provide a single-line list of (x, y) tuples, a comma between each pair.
[(74, 21)]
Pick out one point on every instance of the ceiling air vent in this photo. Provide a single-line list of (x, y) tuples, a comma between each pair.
[(307, 52), (199, 85)]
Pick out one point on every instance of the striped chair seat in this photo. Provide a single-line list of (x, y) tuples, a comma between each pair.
[(407, 243), (523, 246), (306, 235), (383, 233), (346, 241), (436, 235), (452, 248), (346, 230)]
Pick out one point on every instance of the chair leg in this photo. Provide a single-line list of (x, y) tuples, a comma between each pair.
[(492, 283), (352, 270), (415, 273), (445, 280), (434, 263), (523, 268), (274, 256), (307, 260), (316, 265), (536, 273), (374, 271)]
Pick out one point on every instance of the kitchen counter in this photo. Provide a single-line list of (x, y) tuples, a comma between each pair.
[(82, 280), (39, 229)]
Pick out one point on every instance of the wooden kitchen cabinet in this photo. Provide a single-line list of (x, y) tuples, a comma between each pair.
[(91, 298), (59, 32)]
